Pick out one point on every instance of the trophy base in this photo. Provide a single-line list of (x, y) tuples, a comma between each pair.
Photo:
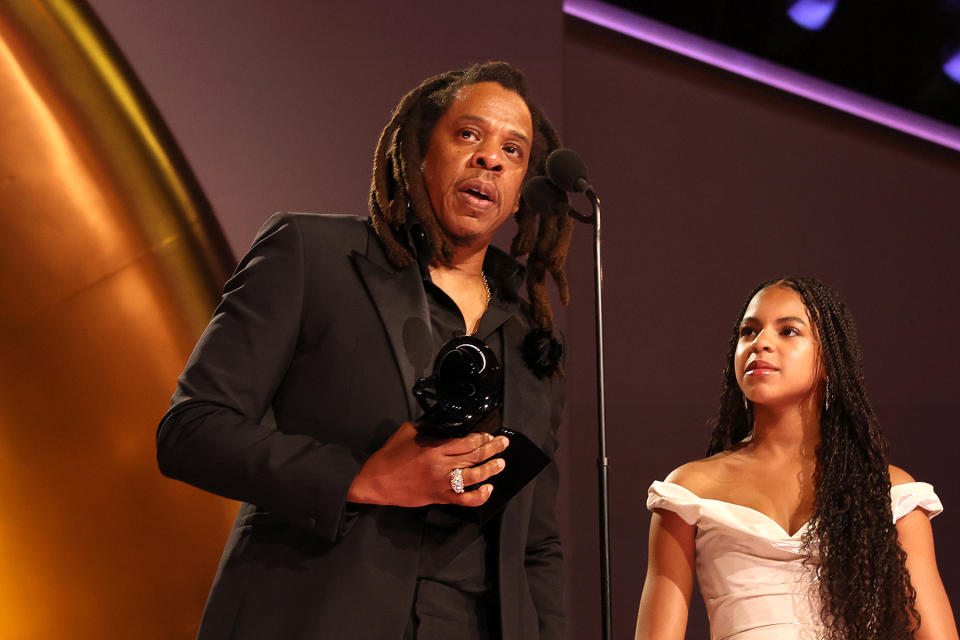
[(524, 461)]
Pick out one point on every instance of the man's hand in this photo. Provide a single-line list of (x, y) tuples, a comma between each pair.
[(412, 472)]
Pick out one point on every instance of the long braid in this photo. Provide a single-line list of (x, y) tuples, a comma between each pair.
[(390, 186), (863, 583), (397, 186)]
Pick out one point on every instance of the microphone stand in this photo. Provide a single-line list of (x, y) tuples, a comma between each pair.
[(567, 173), (603, 463)]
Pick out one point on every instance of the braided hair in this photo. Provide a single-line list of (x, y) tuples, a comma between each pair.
[(863, 583), (398, 188)]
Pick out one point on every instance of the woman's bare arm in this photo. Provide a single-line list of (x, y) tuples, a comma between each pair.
[(936, 616), (916, 539), (670, 568)]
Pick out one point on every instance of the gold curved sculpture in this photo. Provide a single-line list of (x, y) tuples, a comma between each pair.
[(110, 262)]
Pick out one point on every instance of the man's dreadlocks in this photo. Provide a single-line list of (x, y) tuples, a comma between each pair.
[(398, 187)]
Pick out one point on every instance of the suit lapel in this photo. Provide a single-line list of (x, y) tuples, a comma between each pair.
[(526, 399), (401, 302)]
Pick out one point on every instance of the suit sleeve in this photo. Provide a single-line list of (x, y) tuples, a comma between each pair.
[(217, 435), (544, 556)]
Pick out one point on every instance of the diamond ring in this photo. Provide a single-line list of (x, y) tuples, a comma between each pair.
[(456, 480)]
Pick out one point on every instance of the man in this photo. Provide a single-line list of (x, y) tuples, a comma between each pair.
[(297, 399)]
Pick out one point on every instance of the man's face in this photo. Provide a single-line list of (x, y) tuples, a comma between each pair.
[(478, 156)]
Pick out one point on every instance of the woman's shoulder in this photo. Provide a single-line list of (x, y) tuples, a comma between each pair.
[(908, 495), (702, 476), (696, 486), (680, 491), (899, 476)]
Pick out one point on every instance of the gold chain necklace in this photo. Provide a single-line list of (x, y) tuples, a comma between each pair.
[(486, 305)]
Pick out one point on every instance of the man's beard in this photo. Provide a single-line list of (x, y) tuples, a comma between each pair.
[(462, 240)]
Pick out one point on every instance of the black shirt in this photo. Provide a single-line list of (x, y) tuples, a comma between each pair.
[(458, 559)]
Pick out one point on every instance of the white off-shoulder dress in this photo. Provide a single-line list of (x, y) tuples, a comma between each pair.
[(751, 571)]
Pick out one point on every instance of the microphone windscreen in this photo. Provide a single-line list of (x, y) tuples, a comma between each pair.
[(544, 197), (566, 169)]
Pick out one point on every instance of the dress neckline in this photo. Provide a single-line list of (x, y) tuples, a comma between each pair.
[(745, 508), (913, 494)]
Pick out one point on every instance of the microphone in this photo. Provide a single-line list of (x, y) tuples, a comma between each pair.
[(568, 171), (545, 197)]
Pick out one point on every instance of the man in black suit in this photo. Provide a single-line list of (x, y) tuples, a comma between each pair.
[(297, 399)]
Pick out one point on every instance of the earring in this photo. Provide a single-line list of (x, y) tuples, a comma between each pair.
[(826, 395), (746, 403)]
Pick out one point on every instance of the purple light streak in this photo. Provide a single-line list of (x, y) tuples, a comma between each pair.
[(749, 66)]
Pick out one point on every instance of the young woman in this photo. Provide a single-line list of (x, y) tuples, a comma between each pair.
[(795, 524)]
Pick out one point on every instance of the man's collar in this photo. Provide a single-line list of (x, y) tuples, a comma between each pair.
[(504, 274)]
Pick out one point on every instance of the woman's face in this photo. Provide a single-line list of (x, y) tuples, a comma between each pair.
[(777, 361)]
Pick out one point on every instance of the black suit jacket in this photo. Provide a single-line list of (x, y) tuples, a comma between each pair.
[(302, 373)]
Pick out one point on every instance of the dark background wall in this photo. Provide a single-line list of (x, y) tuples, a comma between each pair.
[(278, 105), (710, 184)]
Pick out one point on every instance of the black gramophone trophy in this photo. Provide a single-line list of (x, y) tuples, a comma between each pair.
[(465, 395)]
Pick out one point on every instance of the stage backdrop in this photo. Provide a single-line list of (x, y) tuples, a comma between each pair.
[(710, 184)]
